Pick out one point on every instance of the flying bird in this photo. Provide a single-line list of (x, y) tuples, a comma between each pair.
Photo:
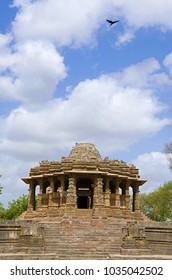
[(112, 21)]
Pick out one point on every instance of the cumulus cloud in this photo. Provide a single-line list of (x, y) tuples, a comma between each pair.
[(6, 57), (154, 167), (38, 70), (168, 62), (145, 74), (35, 70), (105, 110), (7, 88), (152, 13), (125, 37), (33, 67), (64, 22), (50, 20)]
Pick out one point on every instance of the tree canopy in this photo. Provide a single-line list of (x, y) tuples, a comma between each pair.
[(14, 209), (157, 205)]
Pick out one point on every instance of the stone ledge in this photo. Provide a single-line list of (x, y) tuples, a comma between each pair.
[(140, 257), (54, 256)]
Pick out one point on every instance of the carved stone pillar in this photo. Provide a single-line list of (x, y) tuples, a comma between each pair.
[(127, 194), (51, 179), (107, 193), (62, 189), (98, 200), (50, 193), (31, 198), (40, 193), (98, 193), (122, 201), (136, 199), (71, 199), (117, 195)]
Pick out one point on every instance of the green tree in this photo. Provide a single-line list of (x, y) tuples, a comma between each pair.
[(2, 212), (157, 205), (16, 207)]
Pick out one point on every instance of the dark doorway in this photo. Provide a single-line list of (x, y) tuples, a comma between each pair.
[(83, 202), (84, 193)]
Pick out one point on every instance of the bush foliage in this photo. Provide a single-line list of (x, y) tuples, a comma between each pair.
[(157, 205), (14, 209)]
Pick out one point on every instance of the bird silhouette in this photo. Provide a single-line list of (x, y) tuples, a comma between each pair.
[(112, 21)]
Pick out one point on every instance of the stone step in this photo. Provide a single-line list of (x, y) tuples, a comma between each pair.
[(81, 238), (81, 247), (81, 231), (83, 250), (81, 257), (81, 253), (81, 226), (77, 244)]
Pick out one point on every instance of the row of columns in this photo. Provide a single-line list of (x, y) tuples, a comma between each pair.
[(122, 200), (100, 198)]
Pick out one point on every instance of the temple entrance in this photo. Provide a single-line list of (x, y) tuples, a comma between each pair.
[(84, 198), (84, 193), (83, 202)]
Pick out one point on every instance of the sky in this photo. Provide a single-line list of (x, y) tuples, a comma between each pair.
[(66, 76)]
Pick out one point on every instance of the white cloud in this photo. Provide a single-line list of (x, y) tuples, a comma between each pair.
[(154, 168), (5, 39), (125, 37), (105, 111), (168, 62), (66, 22), (7, 88), (35, 70), (34, 67), (38, 70), (155, 13), (6, 58), (76, 25), (145, 74)]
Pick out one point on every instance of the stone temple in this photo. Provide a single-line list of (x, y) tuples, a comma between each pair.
[(84, 180), (84, 207)]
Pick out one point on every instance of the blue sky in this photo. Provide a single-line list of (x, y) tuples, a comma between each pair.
[(66, 76)]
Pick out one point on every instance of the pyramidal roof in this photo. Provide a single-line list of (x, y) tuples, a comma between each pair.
[(85, 158), (85, 152)]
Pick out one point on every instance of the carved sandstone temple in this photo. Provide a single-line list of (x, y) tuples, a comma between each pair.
[(84, 207), (84, 180)]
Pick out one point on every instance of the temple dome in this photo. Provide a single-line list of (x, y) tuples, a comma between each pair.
[(85, 152)]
